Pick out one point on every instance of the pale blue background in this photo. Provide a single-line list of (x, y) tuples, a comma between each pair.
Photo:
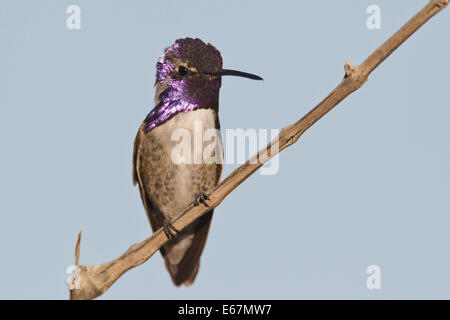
[(368, 184)]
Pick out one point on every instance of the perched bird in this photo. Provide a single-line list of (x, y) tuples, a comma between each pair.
[(188, 80)]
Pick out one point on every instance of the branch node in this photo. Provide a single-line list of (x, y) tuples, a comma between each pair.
[(348, 69), (441, 3)]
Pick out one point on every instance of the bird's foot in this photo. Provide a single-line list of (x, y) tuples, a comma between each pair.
[(201, 198), (169, 229)]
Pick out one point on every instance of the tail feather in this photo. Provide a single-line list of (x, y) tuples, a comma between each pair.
[(185, 271)]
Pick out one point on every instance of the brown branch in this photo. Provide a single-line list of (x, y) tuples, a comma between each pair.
[(96, 279)]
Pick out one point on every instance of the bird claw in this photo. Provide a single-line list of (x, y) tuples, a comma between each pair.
[(168, 227), (201, 198)]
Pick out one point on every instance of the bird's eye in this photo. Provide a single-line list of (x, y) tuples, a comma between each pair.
[(182, 70)]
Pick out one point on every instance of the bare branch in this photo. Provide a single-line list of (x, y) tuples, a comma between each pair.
[(96, 279)]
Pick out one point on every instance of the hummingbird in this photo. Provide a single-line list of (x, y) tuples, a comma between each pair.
[(188, 80)]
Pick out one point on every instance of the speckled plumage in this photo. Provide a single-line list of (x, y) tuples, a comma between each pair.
[(167, 188)]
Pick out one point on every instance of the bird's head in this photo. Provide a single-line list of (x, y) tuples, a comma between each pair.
[(188, 77)]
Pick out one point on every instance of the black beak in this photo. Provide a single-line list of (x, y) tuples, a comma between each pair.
[(227, 72)]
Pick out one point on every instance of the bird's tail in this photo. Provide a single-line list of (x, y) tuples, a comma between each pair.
[(188, 245)]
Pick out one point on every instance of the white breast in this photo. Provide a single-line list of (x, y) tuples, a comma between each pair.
[(189, 130)]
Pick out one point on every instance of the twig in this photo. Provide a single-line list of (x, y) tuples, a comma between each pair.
[(77, 250), (96, 279)]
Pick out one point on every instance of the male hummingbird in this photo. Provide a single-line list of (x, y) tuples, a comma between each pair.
[(188, 80)]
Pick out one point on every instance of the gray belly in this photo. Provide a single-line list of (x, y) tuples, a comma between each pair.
[(172, 183)]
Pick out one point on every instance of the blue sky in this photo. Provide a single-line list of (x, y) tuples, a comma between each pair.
[(367, 185)]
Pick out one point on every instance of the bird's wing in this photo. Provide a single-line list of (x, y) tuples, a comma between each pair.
[(155, 217)]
